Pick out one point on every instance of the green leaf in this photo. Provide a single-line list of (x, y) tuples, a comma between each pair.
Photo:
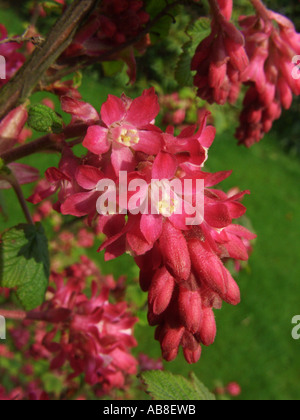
[(183, 73), (24, 263), (163, 385), (200, 388), (162, 26), (43, 119), (197, 32)]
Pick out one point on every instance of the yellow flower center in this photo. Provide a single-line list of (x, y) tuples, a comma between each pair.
[(128, 137), (167, 207)]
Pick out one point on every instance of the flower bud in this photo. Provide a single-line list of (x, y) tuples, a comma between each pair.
[(190, 309), (161, 290)]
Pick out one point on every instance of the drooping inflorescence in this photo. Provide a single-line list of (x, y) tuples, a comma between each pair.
[(181, 264)]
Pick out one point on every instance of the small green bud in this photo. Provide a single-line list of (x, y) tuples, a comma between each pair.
[(43, 119)]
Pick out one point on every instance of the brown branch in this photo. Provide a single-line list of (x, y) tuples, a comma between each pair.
[(23, 83), (45, 143)]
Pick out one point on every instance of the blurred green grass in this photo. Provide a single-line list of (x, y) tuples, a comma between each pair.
[(254, 345)]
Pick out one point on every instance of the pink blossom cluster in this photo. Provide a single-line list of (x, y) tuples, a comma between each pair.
[(271, 43), (260, 56), (220, 58), (93, 335), (14, 59), (181, 265)]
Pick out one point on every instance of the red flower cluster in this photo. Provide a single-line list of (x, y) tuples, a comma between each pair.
[(181, 265), (220, 58), (93, 335), (112, 24), (261, 56), (13, 59), (271, 44)]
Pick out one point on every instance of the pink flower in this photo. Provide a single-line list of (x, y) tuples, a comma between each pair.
[(127, 125)]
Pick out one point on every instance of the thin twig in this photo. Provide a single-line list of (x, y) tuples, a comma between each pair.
[(45, 143), (36, 40), (19, 193)]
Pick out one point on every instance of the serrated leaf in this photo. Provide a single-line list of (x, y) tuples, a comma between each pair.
[(162, 385), (163, 25), (197, 31), (183, 74), (200, 388), (24, 264)]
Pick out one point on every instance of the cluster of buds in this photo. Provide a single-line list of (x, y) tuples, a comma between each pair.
[(11, 58), (220, 58), (181, 262), (261, 56), (113, 24), (271, 43)]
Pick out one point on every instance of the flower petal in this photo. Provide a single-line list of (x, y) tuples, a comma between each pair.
[(122, 159), (217, 215), (143, 109), (151, 226), (113, 110), (80, 111), (150, 142), (80, 204), (96, 140), (164, 166), (88, 177)]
